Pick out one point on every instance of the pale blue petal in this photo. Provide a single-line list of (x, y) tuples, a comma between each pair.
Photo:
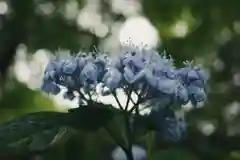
[(167, 86), (106, 76), (198, 83), (69, 67), (192, 75), (145, 74), (113, 80), (197, 93), (89, 74), (50, 87), (116, 79), (128, 75)]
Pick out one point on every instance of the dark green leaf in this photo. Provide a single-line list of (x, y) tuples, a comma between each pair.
[(45, 127)]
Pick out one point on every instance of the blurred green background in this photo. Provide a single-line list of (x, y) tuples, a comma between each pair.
[(205, 31)]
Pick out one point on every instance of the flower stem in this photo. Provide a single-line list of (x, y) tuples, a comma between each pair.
[(128, 100), (128, 150), (119, 104), (129, 154)]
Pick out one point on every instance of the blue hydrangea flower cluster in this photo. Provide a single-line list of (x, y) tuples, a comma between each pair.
[(145, 72), (153, 77)]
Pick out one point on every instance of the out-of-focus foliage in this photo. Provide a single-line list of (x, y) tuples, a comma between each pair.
[(212, 39)]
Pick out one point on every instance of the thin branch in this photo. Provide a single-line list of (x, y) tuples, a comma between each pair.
[(139, 101), (128, 99), (90, 96), (136, 105), (130, 96), (119, 104), (82, 97)]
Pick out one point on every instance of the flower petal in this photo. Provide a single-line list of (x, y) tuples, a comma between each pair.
[(69, 67), (128, 75), (50, 87), (112, 79), (167, 86)]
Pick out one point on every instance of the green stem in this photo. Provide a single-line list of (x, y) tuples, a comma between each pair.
[(129, 154), (114, 138), (127, 150), (129, 137)]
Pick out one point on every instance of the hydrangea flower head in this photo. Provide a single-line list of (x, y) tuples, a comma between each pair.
[(146, 73)]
